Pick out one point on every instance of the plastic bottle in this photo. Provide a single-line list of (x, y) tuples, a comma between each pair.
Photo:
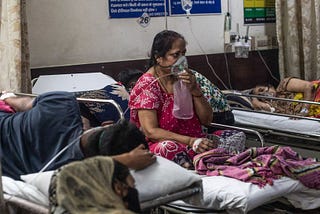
[(182, 98), (238, 49), (245, 50)]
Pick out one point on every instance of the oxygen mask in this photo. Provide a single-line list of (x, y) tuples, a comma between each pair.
[(179, 66), (266, 94)]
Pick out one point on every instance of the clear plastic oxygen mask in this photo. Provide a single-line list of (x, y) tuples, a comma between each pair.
[(179, 66), (182, 98)]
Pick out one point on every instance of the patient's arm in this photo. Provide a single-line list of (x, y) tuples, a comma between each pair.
[(260, 105), (20, 104), (138, 158), (305, 87)]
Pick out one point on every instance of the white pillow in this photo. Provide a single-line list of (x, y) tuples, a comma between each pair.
[(162, 178), (39, 180), (23, 190), (159, 179), (224, 193)]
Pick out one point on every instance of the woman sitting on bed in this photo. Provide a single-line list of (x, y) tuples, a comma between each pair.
[(151, 103), (290, 88)]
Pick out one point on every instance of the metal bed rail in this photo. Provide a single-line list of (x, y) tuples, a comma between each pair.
[(171, 197), (86, 100), (236, 93), (246, 130)]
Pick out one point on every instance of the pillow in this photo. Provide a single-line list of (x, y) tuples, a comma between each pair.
[(224, 193), (24, 190), (162, 178), (159, 179), (235, 100), (40, 180)]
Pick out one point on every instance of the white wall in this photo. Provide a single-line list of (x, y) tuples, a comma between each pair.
[(71, 32)]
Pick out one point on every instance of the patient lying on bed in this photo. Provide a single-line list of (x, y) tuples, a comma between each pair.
[(108, 188), (34, 130), (290, 88)]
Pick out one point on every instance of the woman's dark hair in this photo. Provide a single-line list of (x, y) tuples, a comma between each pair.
[(162, 43), (127, 75), (116, 139)]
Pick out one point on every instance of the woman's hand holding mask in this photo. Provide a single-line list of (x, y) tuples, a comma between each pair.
[(190, 80)]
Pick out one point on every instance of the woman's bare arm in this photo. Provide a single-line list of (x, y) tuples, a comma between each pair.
[(149, 124), (20, 104), (303, 86)]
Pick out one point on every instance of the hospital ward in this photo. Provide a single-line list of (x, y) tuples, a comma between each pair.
[(160, 107)]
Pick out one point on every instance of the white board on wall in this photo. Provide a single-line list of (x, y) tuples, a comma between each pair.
[(71, 82)]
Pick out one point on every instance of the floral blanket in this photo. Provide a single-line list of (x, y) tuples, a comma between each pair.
[(260, 165)]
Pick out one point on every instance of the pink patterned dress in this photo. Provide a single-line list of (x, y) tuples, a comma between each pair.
[(147, 94)]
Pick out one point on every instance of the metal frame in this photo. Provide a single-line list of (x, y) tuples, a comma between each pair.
[(307, 142)]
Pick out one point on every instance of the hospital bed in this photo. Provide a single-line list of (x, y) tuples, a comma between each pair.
[(181, 189), (228, 195), (302, 133), (30, 195)]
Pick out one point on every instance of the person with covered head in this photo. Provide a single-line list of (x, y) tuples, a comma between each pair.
[(152, 101), (46, 132), (95, 185)]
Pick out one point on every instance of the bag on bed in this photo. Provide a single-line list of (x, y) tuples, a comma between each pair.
[(232, 141)]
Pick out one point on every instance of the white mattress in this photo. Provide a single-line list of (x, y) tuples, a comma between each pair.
[(234, 196), (283, 123), (219, 193)]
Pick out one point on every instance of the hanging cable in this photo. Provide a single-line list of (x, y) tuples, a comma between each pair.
[(206, 56), (265, 64)]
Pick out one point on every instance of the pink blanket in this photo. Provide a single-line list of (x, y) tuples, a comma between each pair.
[(5, 107), (260, 165)]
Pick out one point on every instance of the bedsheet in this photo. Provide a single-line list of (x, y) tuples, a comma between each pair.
[(302, 126), (234, 196)]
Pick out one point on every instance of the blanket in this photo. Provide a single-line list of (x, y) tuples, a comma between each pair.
[(5, 107), (260, 165)]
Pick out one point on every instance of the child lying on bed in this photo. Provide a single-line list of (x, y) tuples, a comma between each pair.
[(290, 88), (34, 130)]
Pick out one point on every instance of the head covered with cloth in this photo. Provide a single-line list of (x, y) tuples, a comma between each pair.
[(94, 185)]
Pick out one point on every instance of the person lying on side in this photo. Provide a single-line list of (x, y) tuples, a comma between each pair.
[(98, 184), (290, 88), (34, 130)]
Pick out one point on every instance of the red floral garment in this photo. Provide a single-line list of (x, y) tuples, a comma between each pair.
[(147, 94)]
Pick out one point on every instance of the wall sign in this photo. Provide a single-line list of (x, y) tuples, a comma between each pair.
[(259, 11), (156, 8)]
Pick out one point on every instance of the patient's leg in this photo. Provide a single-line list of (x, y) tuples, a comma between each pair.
[(20, 103)]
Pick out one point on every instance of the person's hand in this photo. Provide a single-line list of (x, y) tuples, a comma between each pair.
[(200, 145), (265, 107), (188, 78), (139, 158)]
